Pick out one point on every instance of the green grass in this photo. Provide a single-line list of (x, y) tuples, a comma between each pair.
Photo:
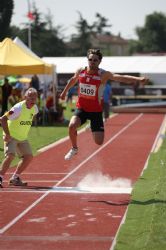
[(145, 224)]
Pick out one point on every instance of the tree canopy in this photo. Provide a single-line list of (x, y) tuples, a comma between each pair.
[(151, 37), (6, 11), (48, 39)]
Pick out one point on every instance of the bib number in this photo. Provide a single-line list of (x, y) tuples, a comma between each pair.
[(87, 90)]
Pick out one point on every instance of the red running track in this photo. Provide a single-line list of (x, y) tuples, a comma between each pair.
[(53, 213)]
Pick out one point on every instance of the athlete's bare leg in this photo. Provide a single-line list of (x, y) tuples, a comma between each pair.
[(73, 125), (98, 137)]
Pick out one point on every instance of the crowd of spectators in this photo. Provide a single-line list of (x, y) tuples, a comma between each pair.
[(50, 109)]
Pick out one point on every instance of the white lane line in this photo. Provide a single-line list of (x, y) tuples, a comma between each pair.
[(37, 173), (161, 136), (12, 222), (56, 238), (37, 181), (72, 190)]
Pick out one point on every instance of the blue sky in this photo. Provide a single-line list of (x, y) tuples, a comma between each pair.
[(123, 15)]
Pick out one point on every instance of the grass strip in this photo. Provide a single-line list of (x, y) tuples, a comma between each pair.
[(145, 227)]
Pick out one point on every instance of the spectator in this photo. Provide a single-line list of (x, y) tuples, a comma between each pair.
[(34, 83), (6, 92), (55, 114), (107, 100), (16, 95), (70, 96)]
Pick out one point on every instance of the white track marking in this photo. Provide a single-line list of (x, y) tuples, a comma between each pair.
[(145, 166), (154, 144), (38, 181), (55, 238), (72, 190), (36, 173), (16, 219), (160, 138)]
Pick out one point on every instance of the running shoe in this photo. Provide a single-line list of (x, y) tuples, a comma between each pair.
[(17, 182), (1, 186), (71, 153)]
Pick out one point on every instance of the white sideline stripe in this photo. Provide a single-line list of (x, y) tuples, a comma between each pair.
[(145, 166), (28, 173), (154, 145), (160, 136), (75, 190), (12, 222), (38, 181)]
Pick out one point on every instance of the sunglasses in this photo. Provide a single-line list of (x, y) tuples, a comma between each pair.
[(92, 60)]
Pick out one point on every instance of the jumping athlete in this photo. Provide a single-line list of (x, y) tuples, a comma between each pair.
[(16, 124), (92, 80)]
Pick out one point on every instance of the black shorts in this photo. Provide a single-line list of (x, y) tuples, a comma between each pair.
[(96, 119)]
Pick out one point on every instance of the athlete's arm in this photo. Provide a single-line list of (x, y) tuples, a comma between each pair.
[(72, 81), (124, 78)]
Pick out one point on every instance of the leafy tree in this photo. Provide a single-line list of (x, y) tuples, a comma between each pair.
[(101, 24), (45, 38), (152, 37), (80, 43), (6, 11)]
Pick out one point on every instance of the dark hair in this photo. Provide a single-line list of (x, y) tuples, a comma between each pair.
[(95, 52), (6, 79)]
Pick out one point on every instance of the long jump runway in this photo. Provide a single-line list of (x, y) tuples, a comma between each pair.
[(79, 204)]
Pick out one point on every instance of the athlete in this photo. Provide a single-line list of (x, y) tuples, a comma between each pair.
[(16, 124), (92, 80)]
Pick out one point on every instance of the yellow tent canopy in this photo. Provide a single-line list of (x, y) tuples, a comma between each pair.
[(15, 60)]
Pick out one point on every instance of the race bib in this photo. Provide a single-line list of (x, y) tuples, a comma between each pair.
[(87, 90)]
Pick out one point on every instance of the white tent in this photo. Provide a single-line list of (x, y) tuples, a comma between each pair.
[(152, 66), (121, 64), (31, 53), (20, 43)]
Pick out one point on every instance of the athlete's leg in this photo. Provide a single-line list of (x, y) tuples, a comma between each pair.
[(75, 122), (97, 127), (98, 137)]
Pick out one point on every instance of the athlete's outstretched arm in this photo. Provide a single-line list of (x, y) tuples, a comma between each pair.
[(72, 81), (125, 78)]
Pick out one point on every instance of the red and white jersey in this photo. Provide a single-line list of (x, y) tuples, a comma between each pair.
[(90, 92)]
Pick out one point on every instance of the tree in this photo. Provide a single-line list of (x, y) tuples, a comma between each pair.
[(6, 11), (101, 24), (45, 38), (152, 37), (80, 43)]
